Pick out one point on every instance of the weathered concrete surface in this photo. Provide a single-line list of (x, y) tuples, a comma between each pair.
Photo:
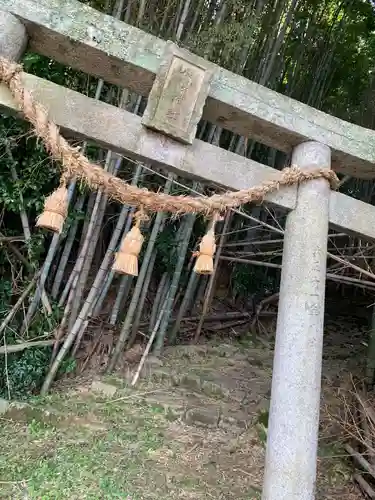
[(104, 124), (79, 36), (291, 457), (179, 92), (103, 388), (353, 215), (13, 37)]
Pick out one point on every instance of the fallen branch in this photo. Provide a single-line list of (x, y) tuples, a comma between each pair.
[(353, 266), (360, 460), (252, 262), (26, 345), (259, 309), (364, 486), (369, 412), (148, 347), (225, 326), (11, 239), (19, 302)]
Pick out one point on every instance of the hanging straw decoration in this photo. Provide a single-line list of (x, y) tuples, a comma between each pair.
[(126, 260), (205, 262), (55, 210)]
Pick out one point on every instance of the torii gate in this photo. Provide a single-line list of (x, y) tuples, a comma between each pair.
[(185, 89)]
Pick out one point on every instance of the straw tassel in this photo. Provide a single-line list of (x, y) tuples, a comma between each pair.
[(205, 262), (55, 210), (126, 260)]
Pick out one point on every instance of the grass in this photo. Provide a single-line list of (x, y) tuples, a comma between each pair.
[(84, 459), (89, 448), (77, 445)]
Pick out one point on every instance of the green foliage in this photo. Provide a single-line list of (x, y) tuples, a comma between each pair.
[(227, 43), (167, 248), (5, 294), (24, 372), (58, 73), (37, 177), (252, 280)]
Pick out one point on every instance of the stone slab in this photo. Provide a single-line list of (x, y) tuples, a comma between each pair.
[(175, 103), (103, 388)]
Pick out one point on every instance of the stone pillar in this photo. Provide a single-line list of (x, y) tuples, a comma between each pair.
[(13, 37), (290, 468)]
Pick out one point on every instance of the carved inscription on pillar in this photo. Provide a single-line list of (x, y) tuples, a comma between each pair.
[(180, 89)]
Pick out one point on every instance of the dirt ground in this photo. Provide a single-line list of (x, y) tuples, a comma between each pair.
[(194, 427)]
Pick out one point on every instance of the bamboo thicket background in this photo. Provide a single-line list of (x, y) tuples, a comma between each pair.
[(319, 52)]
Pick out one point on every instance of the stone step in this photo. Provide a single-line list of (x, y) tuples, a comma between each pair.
[(192, 407)]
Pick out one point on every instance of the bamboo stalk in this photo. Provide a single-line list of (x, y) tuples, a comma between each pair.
[(360, 460), (182, 246), (252, 262), (124, 334), (67, 250), (158, 302), (86, 253), (190, 289), (349, 264), (94, 292), (364, 486), (333, 277), (24, 222), (212, 278), (23, 215), (63, 322), (148, 347), (26, 345), (125, 279), (76, 332), (121, 297), (142, 300), (103, 294), (11, 239)]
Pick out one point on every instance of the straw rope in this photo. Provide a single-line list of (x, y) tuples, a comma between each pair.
[(77, 165)]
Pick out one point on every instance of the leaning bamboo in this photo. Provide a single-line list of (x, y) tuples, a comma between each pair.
[(82, 316), (161, 293), (94, 292), (142, 300), (183, 244), (210, 287), (7, 349), (86, 253), (188, 295), (45, 270), (148, 347), (125, 331), (8, 318), (67, 249)]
